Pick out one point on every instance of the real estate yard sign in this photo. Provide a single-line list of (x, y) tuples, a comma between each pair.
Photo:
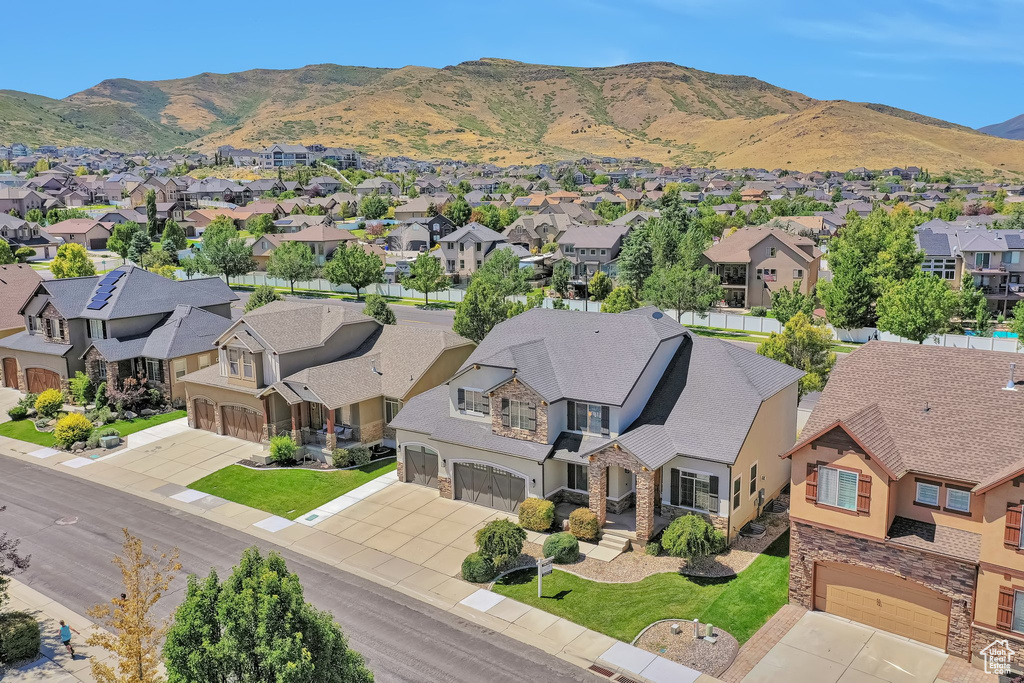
[(544, 567)]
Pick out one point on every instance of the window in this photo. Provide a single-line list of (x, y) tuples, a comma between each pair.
[(753, 479), (479, 246), (587, 417), (697, 491), (1018, 612), (982, 259), (927, 494), (944, 268), (837, 488), (603, 252), (179, 368), (737, 487), (798, 273), (240, 364), (153, 370), (958, 500), (759, 273), (474, 401), (518, 414), (33, 324), (53, 328), (769, 251), (204, 361), (101, 371), (462, 246), (391, 408), (97, 329), (462, 264), (576, 477)]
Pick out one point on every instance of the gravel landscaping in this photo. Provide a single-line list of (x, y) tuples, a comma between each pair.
[(700, 654)]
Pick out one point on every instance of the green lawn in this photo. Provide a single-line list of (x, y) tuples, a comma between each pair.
[(740, 605), (753, 337), (289, 493), (25, 430)]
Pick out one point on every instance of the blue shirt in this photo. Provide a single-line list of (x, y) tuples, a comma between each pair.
[(65, 632)]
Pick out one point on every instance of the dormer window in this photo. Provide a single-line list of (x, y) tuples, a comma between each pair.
[(240, 364), (589, 418), (473, 401)]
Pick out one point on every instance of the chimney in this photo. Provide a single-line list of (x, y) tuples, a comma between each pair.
[(1010, 384)]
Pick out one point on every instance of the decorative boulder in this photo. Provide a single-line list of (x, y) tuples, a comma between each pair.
[(129, 415), (146, 412), (78, 446)]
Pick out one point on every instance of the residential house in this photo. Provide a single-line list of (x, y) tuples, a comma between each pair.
[(22, 200), (418, 207), (19, 233), (277, 156), (17, 282), (87, 232), (549, 406), (409, 236), (464, 251), (322, 373), (593, 248), (321, 239), (64, 318), (905, 510), (755, 262), (534, 231), (377, 185), (342, 158)]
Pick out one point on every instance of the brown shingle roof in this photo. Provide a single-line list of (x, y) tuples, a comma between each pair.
[(944, 540), (927, 409), (736, 247), (17, 282)]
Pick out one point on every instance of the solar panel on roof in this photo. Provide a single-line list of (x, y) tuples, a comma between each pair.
[(105, 289), (100, 296), (96, 305), (107, 282)]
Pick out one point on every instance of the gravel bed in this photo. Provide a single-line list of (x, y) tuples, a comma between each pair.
[(743, 551), (702, 655)]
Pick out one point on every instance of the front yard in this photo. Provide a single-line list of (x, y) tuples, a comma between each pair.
[(288, 493), (25, 430), (740, 604)]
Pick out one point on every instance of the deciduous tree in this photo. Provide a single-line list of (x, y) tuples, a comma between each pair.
[(353, 265), (261, 296), (373, 206), (684, 289), (917, 308), (560, 276), (174, 234), (377, 307), (292, 262), (805, 346), (6, 256), (788, 302), (426, 275), (121, 238), (71, 261), (458, 211), (621, 299), (600, 285)]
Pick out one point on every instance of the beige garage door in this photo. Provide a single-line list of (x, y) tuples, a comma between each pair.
[(883, 601)]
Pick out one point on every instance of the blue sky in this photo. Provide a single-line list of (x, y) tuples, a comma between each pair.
[(960, 60)]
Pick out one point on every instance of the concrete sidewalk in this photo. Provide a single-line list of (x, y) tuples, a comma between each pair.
[(346, 536), (54, 664)]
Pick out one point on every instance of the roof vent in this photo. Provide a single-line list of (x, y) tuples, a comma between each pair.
[(657, 315), (927, 408), (1010, 384)]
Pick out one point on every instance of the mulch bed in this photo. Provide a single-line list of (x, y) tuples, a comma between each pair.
[(702, 655), (308, 465)]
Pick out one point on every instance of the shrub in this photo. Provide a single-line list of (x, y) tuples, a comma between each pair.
[(691, 536), (155, 398), (19, 637), (758, 311), (500, 541), (105, 415), (72, 428), (536, 514), (107, 431), (341, 457), (18, 413), (583, 524), (653, 549), (101, 395), (562, 546), (49, 403), (478, 569), (282, 450), (360, 455), (28, 401), (82, 391)]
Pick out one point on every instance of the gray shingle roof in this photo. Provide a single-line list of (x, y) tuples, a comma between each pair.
[(293, 325), (186, 331), (561, 354), (36, 343)]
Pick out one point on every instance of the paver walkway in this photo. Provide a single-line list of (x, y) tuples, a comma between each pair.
[(400, 535)]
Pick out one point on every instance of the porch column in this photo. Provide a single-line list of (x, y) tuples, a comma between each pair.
[(645, 501), (296, 434), (597, 478), (332, 438), (266, 420)]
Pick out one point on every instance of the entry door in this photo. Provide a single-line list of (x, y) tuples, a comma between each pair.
[(11, 373)]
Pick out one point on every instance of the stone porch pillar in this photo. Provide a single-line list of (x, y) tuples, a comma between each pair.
[(332, 438), (645, 501), (296, 433), (597, 477), (266, 420)]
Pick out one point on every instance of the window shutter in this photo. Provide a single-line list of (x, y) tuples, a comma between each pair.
[(531, 417), (1004, 609), (570, 415), (462, 399), (605, 420), (674, 491), (864, 493), (570, 475), (811, 488), (713, 506), (1011, 535), (504, 412)]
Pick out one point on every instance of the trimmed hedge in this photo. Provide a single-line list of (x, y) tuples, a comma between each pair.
[(562, 546), (583, 524), (19, 637), (478, 569), (653, 548), (500, 541), (360, 455), (536, 514), (17, 413)]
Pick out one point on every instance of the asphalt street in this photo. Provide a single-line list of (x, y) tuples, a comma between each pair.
[(401, 638)]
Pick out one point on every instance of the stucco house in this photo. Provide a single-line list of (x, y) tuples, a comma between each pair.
[(324, 374), (630, 414)]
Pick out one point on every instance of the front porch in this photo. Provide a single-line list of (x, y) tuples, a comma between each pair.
[(317, 425), (622, 524)]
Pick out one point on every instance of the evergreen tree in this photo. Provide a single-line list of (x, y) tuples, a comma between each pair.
[(139, 247), (120, 241), (377, 307), (174, 234), (261, 296), (151, 221), (636, 259)]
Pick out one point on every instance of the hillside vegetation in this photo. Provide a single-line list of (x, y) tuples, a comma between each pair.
[(507, 112)]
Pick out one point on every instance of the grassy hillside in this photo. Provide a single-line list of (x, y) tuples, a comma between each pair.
[(508, 112)]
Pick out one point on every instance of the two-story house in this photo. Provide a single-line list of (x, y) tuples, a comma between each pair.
[(322, 373), (906, 497), (756, 262), (630, 414), (593, 248), (86, 232), (464, 250), (19, 233), (277, 156), (321, 239), (127, 323)]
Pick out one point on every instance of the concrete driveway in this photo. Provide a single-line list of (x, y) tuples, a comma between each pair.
[(822, 648)]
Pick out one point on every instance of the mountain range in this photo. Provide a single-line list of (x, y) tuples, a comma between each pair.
[(507, 112), (1012, 129)]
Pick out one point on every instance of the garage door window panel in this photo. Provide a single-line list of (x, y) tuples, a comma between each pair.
[(838, 488)]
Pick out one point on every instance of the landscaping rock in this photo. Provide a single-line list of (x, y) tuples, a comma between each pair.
[(78, 446), (146, 412), (712, 658), (129, 415)]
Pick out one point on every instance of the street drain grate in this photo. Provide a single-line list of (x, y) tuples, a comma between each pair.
[(64, 521), (626, 679), (601, 670)]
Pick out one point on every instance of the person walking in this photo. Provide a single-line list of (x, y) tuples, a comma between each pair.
[(65, 637)]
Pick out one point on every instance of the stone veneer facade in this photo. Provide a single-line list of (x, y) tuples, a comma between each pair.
[(981, 637), (517, 391), (444, 486), (720, 522), (952, 578), (646, 488)]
